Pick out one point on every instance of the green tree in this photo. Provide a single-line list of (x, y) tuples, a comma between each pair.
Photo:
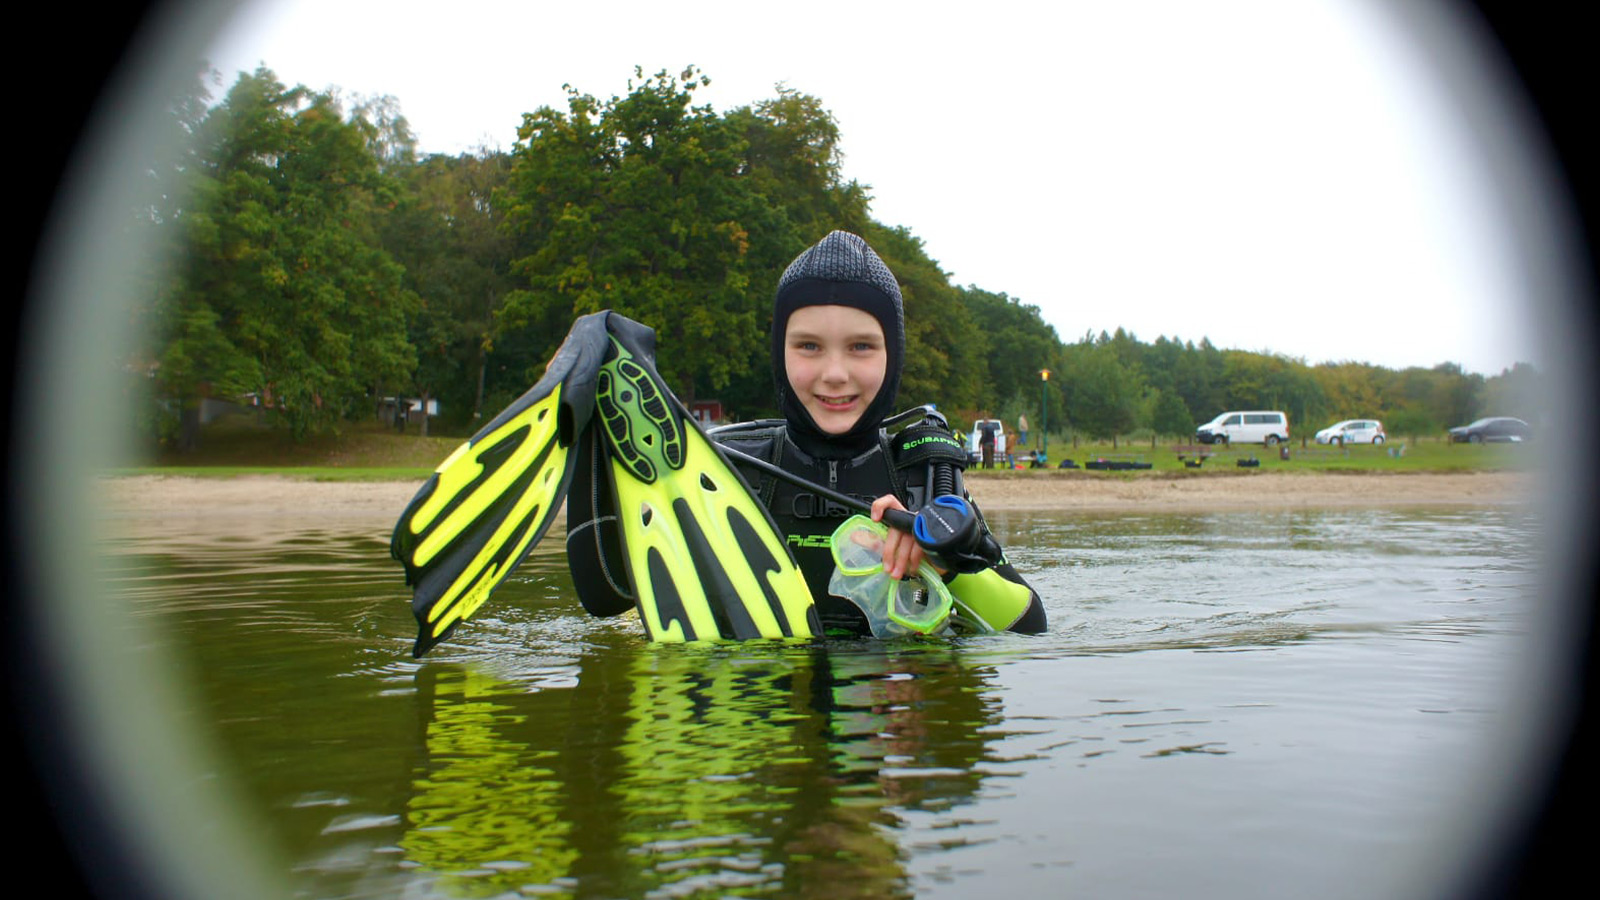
[(386, 131), (1351, 389), (203, 356), (1020, 344), (1104, 393), (1410, 403), (1198, 378), (635, 204), (283, 286), (447, 231), (1521, 391), (1457, 395), (1409, 421), (945, 351), (793, 158), (1247, 376), (1170, 416), (1159, 362)]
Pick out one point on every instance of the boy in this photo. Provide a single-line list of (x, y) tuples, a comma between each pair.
[(838, 348)]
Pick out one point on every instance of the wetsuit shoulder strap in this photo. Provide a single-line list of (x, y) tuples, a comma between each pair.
[(925, 442), (762, 439), (926, 453)]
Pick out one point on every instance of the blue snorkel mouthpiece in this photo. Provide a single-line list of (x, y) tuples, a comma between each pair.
[(949, 529)]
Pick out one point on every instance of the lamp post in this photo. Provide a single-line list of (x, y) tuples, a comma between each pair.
[(1044, 413)]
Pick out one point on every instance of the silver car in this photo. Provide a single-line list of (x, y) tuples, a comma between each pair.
[(1353, 431)]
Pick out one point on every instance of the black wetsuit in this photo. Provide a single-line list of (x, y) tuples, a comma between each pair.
[(892, 465), (806, 520)]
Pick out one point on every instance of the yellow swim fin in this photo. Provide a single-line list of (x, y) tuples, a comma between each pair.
[(704, 557), (491, 500)]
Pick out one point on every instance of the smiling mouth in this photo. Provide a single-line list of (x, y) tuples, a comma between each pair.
[(837, 402)]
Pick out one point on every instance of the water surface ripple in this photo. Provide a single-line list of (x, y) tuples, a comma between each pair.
[(1234, 705)]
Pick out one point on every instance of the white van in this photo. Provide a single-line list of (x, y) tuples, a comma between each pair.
[(1251, 427)]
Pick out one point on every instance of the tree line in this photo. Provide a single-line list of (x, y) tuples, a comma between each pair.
[(314, 262)]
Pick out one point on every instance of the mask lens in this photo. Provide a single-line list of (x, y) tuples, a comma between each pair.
[(858, 550), (916, 604)]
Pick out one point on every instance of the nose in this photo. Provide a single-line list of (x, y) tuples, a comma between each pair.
[(834, 370)]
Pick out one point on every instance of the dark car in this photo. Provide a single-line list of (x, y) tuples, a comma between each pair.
[(1493, 430)]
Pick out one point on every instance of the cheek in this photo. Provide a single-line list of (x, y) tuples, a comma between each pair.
[(870, 377), (798, 369)]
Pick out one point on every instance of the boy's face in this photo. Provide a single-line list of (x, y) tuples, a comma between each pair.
[(836, 360)]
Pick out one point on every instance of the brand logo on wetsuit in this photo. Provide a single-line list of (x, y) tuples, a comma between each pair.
[(930, 438), (818, 541), (811, 506)]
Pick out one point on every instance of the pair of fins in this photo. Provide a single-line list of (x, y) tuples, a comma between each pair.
[(704, 558)]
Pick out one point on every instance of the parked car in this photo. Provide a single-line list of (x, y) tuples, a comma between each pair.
[(1492, 430), (1353, 431), (1250, 427)]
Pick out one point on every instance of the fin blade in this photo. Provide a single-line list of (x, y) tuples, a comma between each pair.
[(487, 505), (706, 560), (495, 517)]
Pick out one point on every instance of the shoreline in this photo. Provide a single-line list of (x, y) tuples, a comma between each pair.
[(287, 496)]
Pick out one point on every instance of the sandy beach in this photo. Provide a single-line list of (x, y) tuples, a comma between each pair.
[(261, 496)]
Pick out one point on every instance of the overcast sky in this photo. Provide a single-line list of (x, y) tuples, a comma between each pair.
[(1295, 178)]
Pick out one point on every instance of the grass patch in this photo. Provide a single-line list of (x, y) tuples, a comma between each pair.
[(304, 473), (371, 451), (1417, 456), (237, 445)]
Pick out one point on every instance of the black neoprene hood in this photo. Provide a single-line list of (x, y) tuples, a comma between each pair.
[(839, 270)]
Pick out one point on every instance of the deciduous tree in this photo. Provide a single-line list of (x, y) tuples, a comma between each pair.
[(636, 204), (447, 231), (282, 290)]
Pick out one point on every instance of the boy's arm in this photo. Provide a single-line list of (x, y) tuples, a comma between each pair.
[(999, 595)]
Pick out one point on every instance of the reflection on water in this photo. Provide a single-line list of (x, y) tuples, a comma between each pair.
[(1225, 704), (691, 769)]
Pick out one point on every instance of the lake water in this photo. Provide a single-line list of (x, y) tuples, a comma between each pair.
[(1306, 704)]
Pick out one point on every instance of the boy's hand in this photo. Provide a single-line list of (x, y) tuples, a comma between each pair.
[(901, 552)]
